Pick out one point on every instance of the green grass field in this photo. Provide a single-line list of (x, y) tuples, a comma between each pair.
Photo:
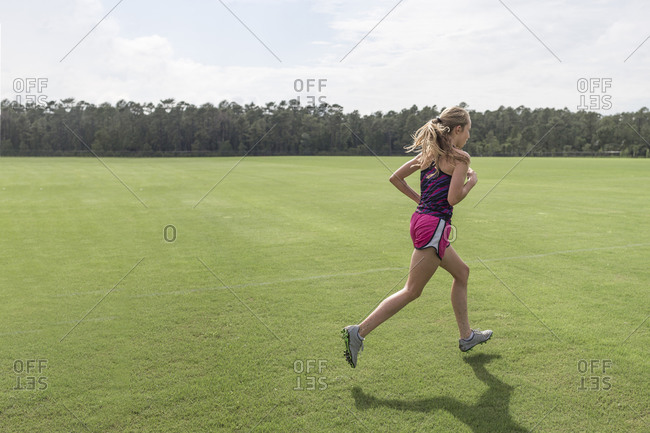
[(230, 319)]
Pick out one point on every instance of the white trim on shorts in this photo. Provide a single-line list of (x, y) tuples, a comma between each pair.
[(437, 236)]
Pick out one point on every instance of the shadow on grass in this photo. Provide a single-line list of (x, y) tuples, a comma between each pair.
[(489, 414)]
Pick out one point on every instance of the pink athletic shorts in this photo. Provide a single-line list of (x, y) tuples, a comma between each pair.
[(430, 231)]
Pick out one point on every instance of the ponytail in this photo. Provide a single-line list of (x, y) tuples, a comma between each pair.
[(432, 139)]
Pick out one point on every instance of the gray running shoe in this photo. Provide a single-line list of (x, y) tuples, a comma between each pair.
[(353, 343), (479, 337)]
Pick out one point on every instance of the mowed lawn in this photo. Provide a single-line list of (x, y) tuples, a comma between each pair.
[(131, 301)]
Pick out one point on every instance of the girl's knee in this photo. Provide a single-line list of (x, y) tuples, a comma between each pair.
[(412, 294), (462, 274)]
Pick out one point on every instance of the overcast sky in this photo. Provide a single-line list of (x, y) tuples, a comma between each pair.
[(370, 56)]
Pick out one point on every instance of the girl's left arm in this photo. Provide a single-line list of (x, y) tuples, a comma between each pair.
[(398, 178)]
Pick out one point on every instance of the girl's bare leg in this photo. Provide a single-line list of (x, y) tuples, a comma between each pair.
[(423, 265), (453, 264)]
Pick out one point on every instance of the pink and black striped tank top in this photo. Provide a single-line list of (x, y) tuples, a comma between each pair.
[(434, 188)]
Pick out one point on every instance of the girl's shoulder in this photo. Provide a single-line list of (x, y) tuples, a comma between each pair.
[(448, 164), (462, 153)]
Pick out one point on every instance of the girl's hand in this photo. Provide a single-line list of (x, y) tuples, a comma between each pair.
[(471, 176)]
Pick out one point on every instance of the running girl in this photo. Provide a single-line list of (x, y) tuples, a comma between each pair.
[(445, 180)]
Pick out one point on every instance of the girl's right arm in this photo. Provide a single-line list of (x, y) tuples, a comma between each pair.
[(403, 172), (458, 188)]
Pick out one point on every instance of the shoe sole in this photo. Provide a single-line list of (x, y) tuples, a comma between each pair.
[(345, 335), (482, 342)]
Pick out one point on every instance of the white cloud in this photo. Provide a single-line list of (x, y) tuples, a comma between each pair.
[(423, 53)]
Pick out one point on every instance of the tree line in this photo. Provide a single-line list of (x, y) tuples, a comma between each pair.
[(170, 128)]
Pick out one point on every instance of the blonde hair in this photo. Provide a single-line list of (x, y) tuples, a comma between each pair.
[(433, 142)]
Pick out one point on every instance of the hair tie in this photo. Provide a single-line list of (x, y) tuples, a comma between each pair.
[(438, 119)]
